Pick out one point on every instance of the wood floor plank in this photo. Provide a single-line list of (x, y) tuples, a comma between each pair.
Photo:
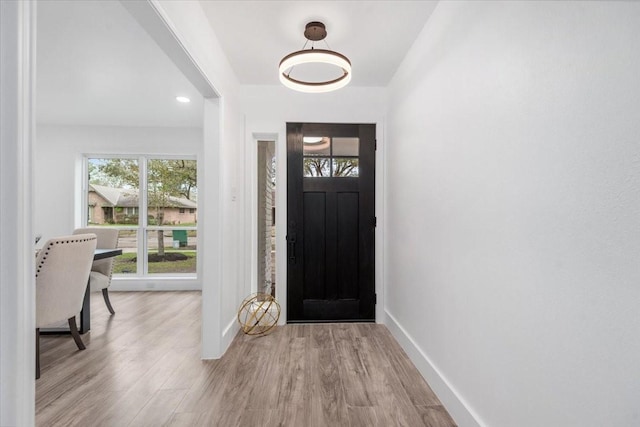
[(159, 409), (183, 419), (188, 372), (262, 390), (287, 393), (354, 372), (363, 417), (71, 413), (121, 411), (390, 394), (326, 380), (418, 391), (207, 391), (142, 367), (435, 416), (256, 417)]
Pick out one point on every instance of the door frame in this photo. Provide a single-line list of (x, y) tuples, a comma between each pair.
[(276, 130), (17, 272)]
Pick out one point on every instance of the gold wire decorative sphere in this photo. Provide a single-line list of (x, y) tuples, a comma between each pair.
[(258, 314)]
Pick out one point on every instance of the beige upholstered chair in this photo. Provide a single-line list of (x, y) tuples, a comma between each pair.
[(62, 271), (101, 270)]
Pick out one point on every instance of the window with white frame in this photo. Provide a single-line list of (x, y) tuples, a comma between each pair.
[(153, 203)]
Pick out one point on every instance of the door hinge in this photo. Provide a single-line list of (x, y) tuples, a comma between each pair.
[(375, 299), (375, 145), (375, 221)]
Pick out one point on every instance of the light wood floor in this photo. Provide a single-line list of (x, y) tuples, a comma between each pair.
[(142, 368)]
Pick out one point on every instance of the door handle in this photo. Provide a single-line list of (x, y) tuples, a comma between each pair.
[(292, 249)]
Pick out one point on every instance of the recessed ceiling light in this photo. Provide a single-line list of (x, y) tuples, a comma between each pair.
[(182, 99)]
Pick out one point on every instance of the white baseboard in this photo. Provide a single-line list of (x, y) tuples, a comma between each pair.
[(455, 405), (229, 334)]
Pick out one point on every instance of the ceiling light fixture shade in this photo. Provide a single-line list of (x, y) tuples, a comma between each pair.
[(314, 31)]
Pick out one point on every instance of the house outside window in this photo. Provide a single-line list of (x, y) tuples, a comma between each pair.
[(146, 199)]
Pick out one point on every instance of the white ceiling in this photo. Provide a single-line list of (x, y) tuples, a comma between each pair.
[(375, 35), (97, 66)]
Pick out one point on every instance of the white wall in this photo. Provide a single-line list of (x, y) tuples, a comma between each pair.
[(512, 208), (268, 109), (273, 104), (234, 281)]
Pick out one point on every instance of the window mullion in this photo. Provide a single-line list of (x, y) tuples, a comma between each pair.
[(84, 218), (143, 249)]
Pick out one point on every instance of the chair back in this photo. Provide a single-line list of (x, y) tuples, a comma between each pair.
[(107, 239), (62, 273)]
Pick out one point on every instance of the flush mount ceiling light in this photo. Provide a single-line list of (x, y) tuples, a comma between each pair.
[(314, 31), (182, 99)]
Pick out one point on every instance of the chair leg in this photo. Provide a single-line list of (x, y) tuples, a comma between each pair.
[(105, 295), (73, 327), (37, 353)]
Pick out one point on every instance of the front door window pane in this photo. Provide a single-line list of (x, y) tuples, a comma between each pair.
[(346, 147), (345, 167), (317, 167), (316, 146)]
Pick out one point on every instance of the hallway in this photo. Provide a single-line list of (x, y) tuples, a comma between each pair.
[(142, 368)]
